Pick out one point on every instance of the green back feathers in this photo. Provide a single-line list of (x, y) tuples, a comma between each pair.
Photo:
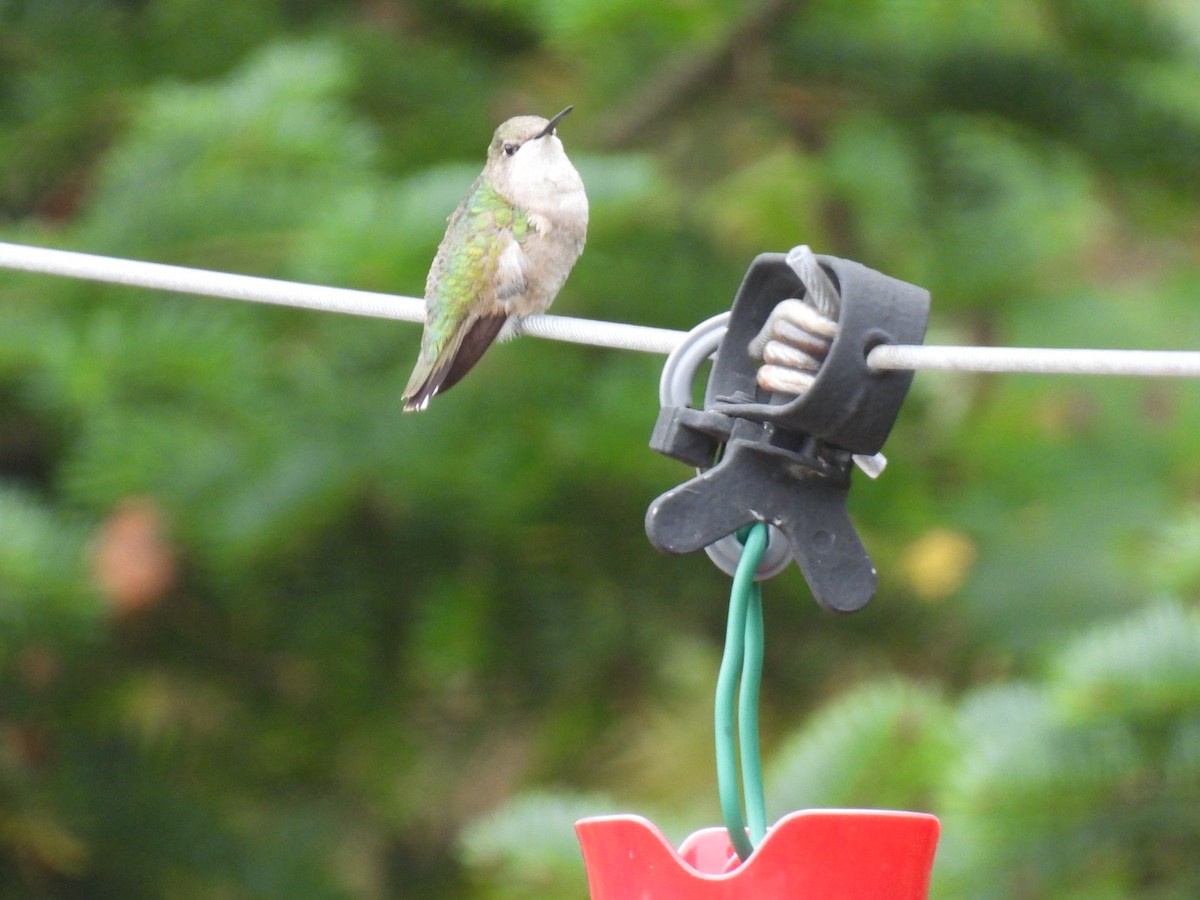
[(464, 312), (464, 272)]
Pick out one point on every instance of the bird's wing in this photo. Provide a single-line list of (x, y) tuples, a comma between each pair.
[(478, 269)]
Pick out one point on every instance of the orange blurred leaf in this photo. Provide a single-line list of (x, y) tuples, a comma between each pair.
[(132, 561)]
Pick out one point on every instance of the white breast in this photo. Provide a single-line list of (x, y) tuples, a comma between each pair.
[(543, 182)]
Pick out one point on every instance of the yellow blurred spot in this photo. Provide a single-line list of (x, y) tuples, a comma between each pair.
[(937, 563), (44, 842)]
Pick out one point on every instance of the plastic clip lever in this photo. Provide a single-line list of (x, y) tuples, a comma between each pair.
[(786, 460)]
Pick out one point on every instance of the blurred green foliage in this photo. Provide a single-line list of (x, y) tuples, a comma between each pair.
[(262, 636)]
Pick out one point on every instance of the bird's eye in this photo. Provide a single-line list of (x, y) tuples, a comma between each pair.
[(510, 149)]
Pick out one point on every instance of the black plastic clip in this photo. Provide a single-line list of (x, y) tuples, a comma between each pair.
[(782, 459)]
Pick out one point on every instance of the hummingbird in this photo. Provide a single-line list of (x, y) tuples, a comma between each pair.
[(508, 249)]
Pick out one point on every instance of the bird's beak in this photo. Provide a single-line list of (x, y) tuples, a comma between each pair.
[(549, 129)]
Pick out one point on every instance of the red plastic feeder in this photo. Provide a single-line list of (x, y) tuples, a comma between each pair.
[(830, 854)]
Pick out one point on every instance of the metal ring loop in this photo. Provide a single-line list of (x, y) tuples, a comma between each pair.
[(675, 389)]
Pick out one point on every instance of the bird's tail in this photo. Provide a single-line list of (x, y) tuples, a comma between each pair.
[(435, 373)]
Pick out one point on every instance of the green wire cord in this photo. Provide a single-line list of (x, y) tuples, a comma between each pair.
[(742, 662)]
